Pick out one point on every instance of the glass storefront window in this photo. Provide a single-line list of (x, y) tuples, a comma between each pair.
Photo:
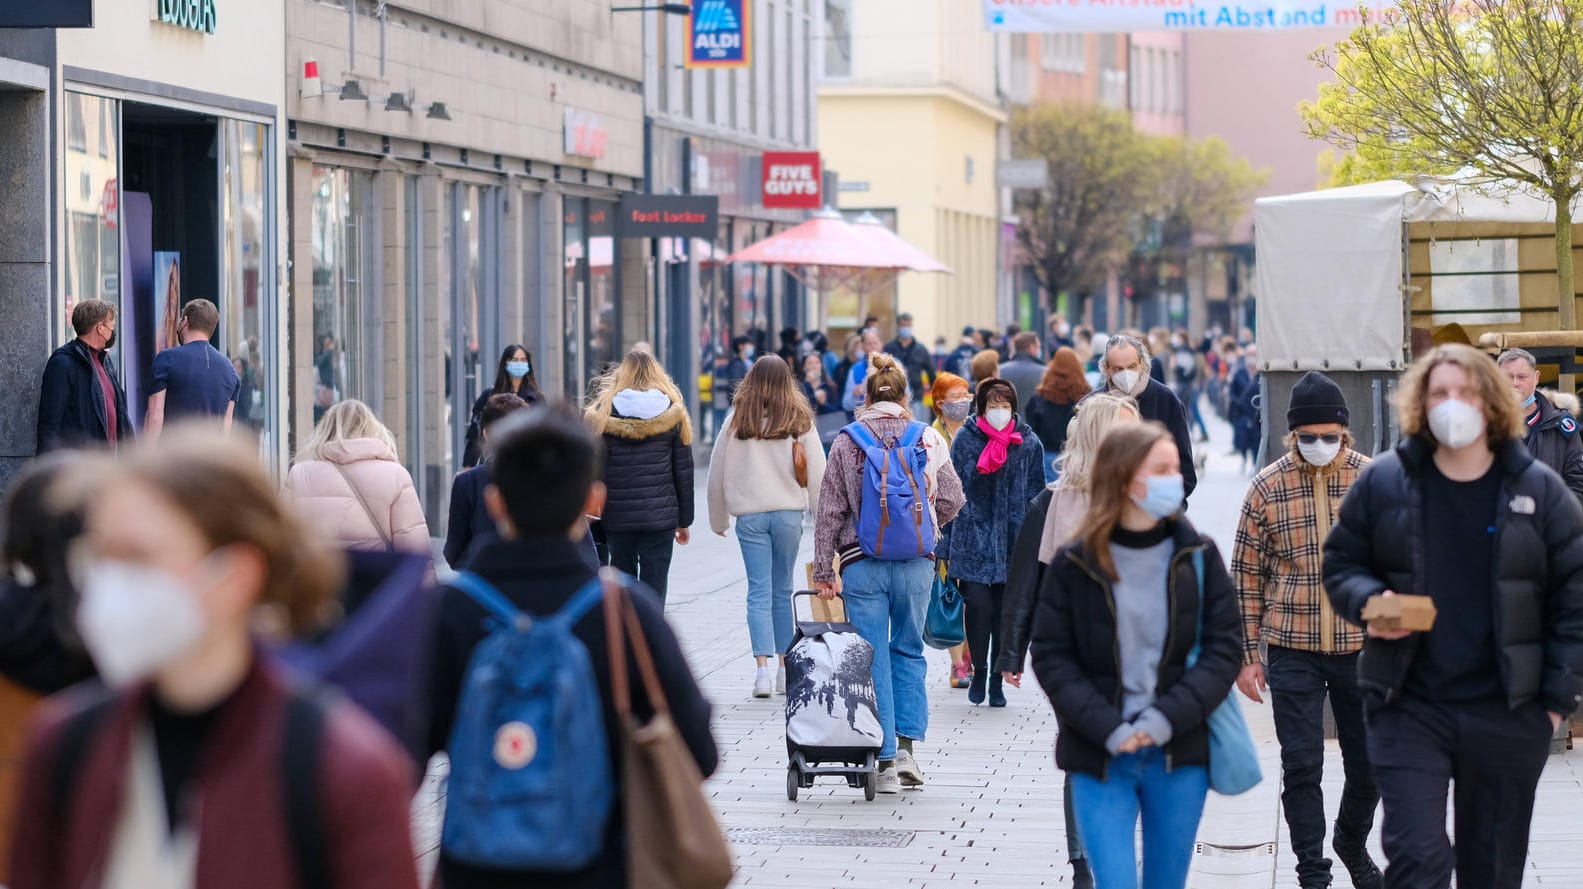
[(604, 304), (574, 263), (92, 201), (246, 316), (346, 319), (469, 326)]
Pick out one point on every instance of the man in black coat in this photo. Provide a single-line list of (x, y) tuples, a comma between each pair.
[(1126, 370), (81, 401), (1552, 435), (915, 358), (544, 469), (1462, 513)]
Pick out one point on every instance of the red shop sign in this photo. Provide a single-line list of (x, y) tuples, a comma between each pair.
[(792, 180)]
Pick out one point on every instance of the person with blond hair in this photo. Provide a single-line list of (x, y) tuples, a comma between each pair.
[(1462, 513), (351, 486), (648, 468), (885, 599), (1053, 404), (1120, 611), (766, 471), (186, 769)]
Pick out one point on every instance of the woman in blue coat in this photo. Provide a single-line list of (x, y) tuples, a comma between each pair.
[(1001, 464)]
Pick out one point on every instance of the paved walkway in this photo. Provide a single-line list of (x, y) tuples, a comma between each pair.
[(990, 814)]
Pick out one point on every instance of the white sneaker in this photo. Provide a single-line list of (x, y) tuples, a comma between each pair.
[(780, 680), (763, 685), (907, 770), (888, 782)]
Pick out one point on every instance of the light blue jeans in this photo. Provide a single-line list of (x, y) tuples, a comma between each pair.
[(1171, 803), (769, 542), (887, 602)]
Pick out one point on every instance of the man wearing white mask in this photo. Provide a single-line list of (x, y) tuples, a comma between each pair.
[(1126, 371), (1460, 512), (1309, 653)]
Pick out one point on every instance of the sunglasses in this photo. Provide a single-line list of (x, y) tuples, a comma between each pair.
[(1310, 438)]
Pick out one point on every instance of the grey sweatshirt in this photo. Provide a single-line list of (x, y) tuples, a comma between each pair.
[(1142, 623)]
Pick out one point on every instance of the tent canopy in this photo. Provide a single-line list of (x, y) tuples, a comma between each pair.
[(1330, 266)]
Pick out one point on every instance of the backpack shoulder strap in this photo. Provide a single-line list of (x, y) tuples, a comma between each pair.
[(911, 435), (305, 715), (581, 602), (484, 593), (70, 752), (860, 434)]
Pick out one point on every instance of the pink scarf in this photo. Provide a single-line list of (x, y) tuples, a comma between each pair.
[(993, 457)]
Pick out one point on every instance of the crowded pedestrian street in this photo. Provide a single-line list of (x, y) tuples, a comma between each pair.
[(991, 813)]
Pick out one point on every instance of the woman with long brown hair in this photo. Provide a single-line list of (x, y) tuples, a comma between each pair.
[(1120, 611), (648, 438), (766, 471), (1053, 403), (187, 771)]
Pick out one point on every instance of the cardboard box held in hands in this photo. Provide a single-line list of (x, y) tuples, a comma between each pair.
[(1399, 612)]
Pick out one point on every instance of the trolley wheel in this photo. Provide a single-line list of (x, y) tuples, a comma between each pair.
[(793, 781), (870, 786)]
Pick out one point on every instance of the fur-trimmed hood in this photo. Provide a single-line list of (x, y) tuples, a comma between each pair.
[(637, 429)]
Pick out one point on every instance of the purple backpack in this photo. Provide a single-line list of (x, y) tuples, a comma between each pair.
[(894, 521)]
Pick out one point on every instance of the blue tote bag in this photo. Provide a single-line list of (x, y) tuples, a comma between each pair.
[(945, 624), (1233, 760)]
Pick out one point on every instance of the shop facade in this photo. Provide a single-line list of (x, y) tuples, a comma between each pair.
[(452, 186), (152, 151)]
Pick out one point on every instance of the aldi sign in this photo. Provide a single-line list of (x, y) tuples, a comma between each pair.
[(719, 34), (792, 180)]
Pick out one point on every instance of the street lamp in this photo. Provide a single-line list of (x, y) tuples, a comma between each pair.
[(668, 8)]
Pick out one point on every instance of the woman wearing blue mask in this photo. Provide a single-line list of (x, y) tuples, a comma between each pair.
[(514, 376), (1120, 610)]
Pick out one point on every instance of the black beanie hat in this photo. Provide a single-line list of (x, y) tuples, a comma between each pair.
[(1316, 399)]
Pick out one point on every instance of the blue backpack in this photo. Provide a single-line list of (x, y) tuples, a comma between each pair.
[(531, 785), (895, 521)]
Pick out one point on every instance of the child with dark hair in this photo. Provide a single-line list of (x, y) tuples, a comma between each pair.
[(545, 472), (470, 521)]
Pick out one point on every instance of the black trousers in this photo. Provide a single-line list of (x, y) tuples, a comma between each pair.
[(1492, 756), (645, 555), (983, 620), (1299, 682)]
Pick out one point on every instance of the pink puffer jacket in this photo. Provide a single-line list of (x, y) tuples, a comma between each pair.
[(329, 507)]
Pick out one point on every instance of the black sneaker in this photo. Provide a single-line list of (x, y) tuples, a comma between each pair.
[(1082, 877), (1354, 856)]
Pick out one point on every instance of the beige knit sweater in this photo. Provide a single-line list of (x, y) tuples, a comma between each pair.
[(753, 476)]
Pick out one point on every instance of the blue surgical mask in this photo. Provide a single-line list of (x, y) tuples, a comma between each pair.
[(1163, 495), (904, 333), (517, 369), (1531, 399)]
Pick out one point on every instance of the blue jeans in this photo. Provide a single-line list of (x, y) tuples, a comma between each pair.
[(769, 542), (1171, 803), (887, 601)]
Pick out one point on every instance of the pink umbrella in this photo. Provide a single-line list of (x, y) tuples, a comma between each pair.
[(825, 240), (888, 243)]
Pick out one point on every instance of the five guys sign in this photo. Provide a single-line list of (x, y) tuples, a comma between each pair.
[(792, 180)]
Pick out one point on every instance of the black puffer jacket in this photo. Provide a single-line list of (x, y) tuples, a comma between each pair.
[(1555, 441), (1077, 658), (648, 473), (1378, 544), (1023, 577)]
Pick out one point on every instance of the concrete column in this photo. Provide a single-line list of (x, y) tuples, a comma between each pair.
[(299, 311), (26, 273), (391, 206), (553, 329)]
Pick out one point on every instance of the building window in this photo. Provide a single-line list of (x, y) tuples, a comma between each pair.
[(838, 39), (1135, 80), (92, 202), (347, 322), (246, 303), (1062, 52)]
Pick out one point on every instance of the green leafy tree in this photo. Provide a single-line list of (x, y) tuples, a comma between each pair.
[(1201, 189), (1079, 227), (1488, 90)]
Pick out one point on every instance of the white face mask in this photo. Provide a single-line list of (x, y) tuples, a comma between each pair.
[(134, 619), (1456, 424), (1125, 380), (1319, 453), (998, 417)]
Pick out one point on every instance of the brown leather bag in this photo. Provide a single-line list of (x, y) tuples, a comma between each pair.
[(799, 462), (16, 706), (673, 841)]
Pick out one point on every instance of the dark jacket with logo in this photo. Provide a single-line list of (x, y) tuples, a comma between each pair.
[(71, 407), (1537, 591), (1078, 660), (1554, 440), (648, 473)]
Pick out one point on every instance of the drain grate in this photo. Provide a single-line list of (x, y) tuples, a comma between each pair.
[(809, 836)]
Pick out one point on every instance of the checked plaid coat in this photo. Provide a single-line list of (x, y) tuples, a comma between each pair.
[(1277, 561)]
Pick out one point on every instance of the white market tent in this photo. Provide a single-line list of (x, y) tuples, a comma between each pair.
[(1334, 265)]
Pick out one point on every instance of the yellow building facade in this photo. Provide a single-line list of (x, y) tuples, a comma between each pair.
[(910, 118)]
